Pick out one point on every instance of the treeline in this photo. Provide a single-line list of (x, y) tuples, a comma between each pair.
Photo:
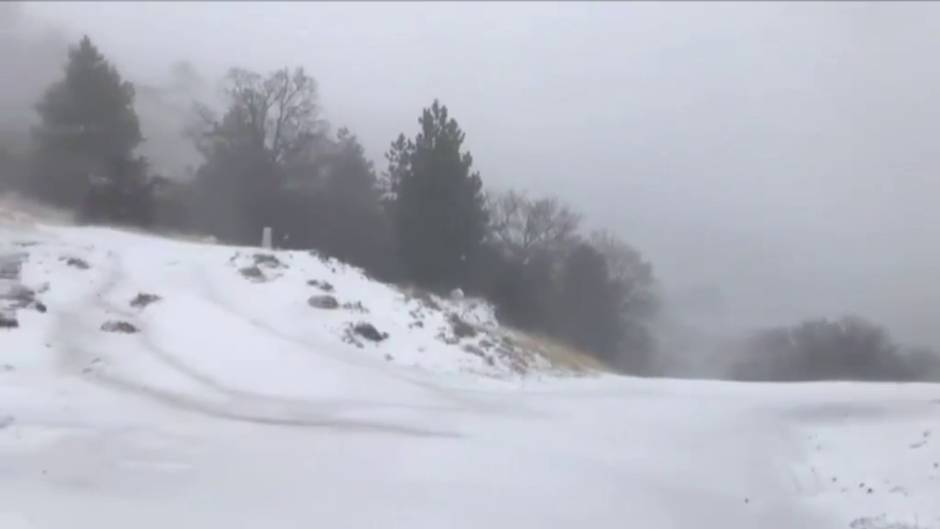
[(850, 348), (269, 159)]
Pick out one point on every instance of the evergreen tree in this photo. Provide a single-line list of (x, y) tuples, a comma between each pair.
[(358, 228), (86, 140), (332, 203), (439, 211)]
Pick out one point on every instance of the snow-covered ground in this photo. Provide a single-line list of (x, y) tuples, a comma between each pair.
[(239, 404)]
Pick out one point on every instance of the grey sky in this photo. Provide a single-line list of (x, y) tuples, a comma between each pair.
[(773, 160)]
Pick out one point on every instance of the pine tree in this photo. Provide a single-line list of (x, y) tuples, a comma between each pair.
[(332, 203), (439, 206), (86, 141)]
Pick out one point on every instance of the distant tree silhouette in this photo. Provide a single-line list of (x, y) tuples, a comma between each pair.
[(596, 293), (12, 170), (269, 124), (124, 195), (524, 226), (332, 202), (850, 348)]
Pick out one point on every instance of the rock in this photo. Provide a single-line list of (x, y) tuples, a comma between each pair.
[(322, 285), (75, 262), (357, 306), (142, 300), (252, 272), (122, 327), (461, 328), (369, 332), (323, 302)]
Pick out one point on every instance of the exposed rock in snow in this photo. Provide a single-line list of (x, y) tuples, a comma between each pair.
[(322, 285), (143, 299), (252, 273), (369, 332), (75, 262), (122, 327), (323, 302)]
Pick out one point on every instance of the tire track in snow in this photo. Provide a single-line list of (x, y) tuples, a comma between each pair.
[(500, 408), (239, 413), (180, 366), (72, 358)]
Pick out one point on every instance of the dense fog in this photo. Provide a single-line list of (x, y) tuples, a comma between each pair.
[(765, 166)]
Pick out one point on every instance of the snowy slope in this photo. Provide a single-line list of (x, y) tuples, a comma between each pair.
[(238, 404)]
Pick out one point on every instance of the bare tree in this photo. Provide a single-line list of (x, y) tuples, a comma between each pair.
[(850, 348), (626, 266), (278, 113), (624, 262), (524, 225)]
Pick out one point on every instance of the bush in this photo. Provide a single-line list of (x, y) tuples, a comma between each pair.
[(848, 349)]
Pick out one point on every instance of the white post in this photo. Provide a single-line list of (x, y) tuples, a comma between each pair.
[(266, 238)]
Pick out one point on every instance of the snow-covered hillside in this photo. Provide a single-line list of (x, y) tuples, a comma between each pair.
[(155, 383)]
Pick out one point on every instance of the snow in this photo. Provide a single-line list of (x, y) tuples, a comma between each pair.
[(240, 405)]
